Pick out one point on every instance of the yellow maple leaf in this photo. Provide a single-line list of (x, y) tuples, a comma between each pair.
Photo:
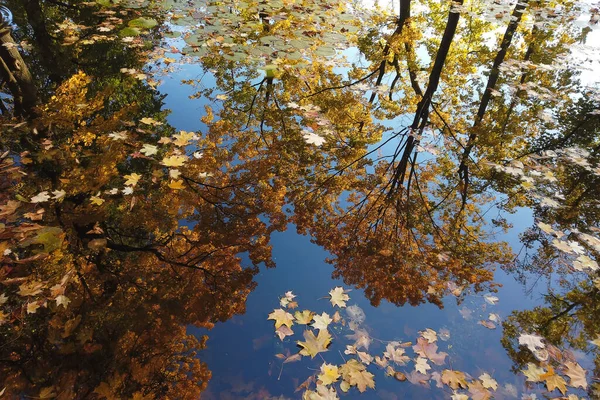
[(554, 381), (282, 317), (354, 374), (329, 374), (303, 317), (176, 185), (533, 372), (314, 344), (132, 179), (183, 138), (97, 201), (150, 121), (173, 161)]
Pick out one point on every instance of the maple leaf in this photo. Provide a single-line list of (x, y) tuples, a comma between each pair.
[(132, 179), (283, 331), (478, 391), (381, 361), (429, 350), (149, 150), (303, 317), (532, 342), (281, 317), (150, 121), (488, 382), (30, 288), (430, 335), (314, 344), (533, 372), (329, 374), (118, 135), (62, 300), (177, 185), (396, 354), (354, 374), (321, 321), (491, 299), (32, 307), (421, 365), (183, 138), (313, 138), (58, 194), (173, 161), (554, 381), (96, 200), (338, 297), (322, 393), (454, 379), (577, 375), (41, 197)]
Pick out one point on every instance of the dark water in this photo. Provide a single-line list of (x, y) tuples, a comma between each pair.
[(171, 169)]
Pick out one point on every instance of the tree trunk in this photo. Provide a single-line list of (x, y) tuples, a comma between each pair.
[(15, 73), (422, 112), (36, 19)]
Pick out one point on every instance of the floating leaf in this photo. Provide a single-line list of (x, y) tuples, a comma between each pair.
[(143, 23), (329, 374), (281, 317), (314, 344)]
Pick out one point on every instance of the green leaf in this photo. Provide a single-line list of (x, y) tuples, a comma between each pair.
[(143, 23), (129, 32)]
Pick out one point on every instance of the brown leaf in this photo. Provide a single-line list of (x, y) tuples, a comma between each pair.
[(577, 375), (454, 379)]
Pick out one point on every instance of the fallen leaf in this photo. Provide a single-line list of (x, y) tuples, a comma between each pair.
[(554, 381), (329, 374), (314, 344), (281, 317), (430, 335), (577, 375), (533, 372), (491, 299), (284, 331), (429, 350), (354, 374), (487, 324), (338, 297), (454, 379), (488, 382), (174, 161), (532, 342), (321, 321), (478, 391), (304, 317), (421, 365)]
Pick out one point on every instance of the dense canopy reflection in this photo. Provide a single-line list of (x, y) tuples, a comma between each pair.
[(389, 137)]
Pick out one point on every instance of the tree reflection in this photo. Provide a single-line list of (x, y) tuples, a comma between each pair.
[(118, 231)]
